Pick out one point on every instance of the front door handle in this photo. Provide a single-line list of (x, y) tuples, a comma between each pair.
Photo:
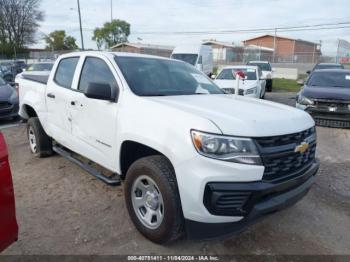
[(51, 95), (72, 103)]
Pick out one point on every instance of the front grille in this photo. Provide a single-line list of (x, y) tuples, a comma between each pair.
[(280, 159), (232, 91), (326, 104)]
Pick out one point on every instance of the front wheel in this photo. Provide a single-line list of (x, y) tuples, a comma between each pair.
[(153, 200)]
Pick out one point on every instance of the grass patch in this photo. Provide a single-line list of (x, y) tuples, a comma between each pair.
[(285, 85)]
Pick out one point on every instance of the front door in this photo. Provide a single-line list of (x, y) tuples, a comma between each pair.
[(94, 121)]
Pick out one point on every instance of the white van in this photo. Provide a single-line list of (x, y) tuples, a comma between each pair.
[(200, 56)]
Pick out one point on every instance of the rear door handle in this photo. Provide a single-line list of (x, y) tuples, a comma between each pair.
[(72, 103), (51, 95)]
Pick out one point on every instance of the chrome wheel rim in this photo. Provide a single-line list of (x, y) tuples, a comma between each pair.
[(32, 140), (147, 202)]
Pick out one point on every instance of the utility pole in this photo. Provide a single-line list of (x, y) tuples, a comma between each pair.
[(338, 49), (274, 45), (81, 29), (111, 10)]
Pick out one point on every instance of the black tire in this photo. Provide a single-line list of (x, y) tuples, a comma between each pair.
[(269, 85), (43, 141), (160, 170)]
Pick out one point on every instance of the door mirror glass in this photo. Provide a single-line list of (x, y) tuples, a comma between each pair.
[(200, 60), (101, 91)]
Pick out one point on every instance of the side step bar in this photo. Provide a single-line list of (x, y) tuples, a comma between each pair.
[(114, 180)]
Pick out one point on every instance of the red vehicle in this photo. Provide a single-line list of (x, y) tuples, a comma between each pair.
[(8, 222)]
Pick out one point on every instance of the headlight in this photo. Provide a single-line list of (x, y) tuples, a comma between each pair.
[(304, 100), (251, 91), (226, 148)]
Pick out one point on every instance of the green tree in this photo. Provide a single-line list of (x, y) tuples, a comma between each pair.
[(98, 37), (112, 33), (58, 40)]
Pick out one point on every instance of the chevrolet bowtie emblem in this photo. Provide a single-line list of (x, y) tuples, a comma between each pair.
[(302, 147)]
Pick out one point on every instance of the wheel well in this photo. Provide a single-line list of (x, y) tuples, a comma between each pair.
[(132, 151), (30, 111)]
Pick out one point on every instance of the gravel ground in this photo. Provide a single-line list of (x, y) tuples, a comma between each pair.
[(63, 210)]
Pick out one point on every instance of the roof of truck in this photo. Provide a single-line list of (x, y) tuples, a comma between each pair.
[(108, 53)]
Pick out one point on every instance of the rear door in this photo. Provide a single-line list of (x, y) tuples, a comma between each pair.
[(8, 223), (58, 97)]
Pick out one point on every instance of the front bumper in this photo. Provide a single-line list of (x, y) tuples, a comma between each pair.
[(333, 116), (264, 198)]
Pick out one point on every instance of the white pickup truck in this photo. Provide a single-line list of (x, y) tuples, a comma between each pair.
[(193, 159)]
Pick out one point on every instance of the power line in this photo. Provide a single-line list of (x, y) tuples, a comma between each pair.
[(255, 30)]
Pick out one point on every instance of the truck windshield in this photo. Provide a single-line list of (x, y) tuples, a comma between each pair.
[(162, 77), (188, 58), (330, 79), (227, 74)]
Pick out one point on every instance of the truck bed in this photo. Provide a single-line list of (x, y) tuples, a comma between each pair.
[(40, 78)]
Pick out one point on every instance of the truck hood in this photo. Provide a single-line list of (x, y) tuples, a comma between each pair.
[(241, 116), (246, 84), (331, 93)]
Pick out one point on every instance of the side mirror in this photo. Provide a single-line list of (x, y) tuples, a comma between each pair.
[(308, 72), (101, 91), (24, 69), (213, 77)]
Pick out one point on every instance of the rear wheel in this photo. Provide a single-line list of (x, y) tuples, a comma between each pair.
[(40, 143), (152, 199)]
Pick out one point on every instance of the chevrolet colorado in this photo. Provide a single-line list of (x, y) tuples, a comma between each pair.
[(193, 159)]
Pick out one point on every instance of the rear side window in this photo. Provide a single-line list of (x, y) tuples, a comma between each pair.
[(65, 71), (95, 70)]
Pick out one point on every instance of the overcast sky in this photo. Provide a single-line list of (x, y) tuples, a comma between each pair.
[(203, 15)]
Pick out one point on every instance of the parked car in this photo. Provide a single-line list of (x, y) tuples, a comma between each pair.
[(326, 66), (8, 222), (39, 67), (6, 73), (21, 64), (192, 157), (200, 56), (266, 71), (326, 97), (40, 70), (8, 100), (253, 85)]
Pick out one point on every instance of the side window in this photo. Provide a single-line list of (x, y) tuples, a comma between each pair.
[(65, 71), (95, 70)]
